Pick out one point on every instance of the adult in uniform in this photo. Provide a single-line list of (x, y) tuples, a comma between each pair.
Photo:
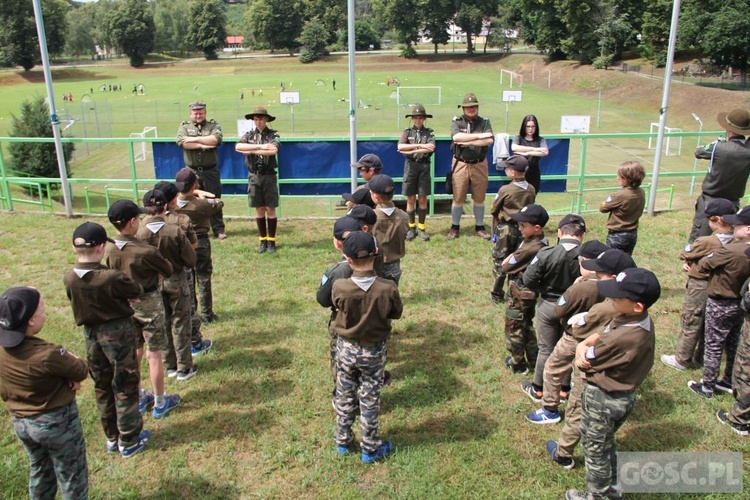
[(471, 134), (728, 169), (417, 144), (200, 140), (260, 147)]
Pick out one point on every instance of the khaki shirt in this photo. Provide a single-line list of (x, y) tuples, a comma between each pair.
[(511, 198), (522, 257), (729, 267), (203, 158), (34, 377), (185, 224), (138, 260), (580, 297), (261, 164), (701, 247), (478, 126), (99, 294), (414, 135), (390, 232), (625, 207), (169, 239), (199, 211)]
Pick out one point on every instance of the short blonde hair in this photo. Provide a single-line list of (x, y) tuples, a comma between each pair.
[(632, 172), (85, 251)]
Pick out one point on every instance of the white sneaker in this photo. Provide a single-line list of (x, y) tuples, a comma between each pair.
[(671, 361)]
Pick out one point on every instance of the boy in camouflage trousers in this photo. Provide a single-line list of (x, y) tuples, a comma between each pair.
[(689, 351), (615, 362), (366, 304), (728, 267), (99, 298), (520, 336), (506, 237), (38, 382)]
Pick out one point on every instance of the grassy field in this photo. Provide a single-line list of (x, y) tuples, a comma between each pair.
[(257, 420)]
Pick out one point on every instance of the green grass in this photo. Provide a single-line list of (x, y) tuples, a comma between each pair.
[(257, 420)]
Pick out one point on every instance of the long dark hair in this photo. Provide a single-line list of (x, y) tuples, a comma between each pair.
[(526, 119)]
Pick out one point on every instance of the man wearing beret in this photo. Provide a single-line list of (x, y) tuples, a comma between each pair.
[(200, 140)]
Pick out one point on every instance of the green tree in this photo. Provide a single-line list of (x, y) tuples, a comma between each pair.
[(655, 31), (726, 38), (276, 24), (35, 158), (541, 26), (403, 17), (469, 18), (19, 43), (131, 25), (613, 29), (365, 36), (312, 41), (437, 19), (172, 20), (207, 30), (81, 23), (330, 13)]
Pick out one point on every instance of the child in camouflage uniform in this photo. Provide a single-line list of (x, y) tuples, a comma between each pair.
[(38, 382), (366, 304), (506, 237), (520, 337)]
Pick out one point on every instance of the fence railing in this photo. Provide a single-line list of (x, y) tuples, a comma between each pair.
[(38, 192)]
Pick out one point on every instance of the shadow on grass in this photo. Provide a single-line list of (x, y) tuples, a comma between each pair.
[(468, 426), (239, 359), (192, 486)]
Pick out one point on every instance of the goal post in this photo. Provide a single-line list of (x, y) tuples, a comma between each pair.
[(511, 75), (140, 149), (673, 144), (407, 96)]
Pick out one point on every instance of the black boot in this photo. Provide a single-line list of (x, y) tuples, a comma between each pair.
[(271, 247), (263, 246)]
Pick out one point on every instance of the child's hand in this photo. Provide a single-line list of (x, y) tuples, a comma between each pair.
[(686, 266), (581, 361)]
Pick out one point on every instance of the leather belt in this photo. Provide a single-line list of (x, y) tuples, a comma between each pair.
[(469, 162)]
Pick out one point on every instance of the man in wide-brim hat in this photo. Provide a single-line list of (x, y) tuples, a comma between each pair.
[(728, 169), (417, 144), (260, 147)]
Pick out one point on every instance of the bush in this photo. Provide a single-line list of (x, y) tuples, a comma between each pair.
[(36, 159), (603, 62), (408, 52)]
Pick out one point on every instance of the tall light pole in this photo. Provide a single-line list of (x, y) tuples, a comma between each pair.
[(599, 105), (695, 160)]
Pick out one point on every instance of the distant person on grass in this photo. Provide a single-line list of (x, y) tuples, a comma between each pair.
[(728, 168), (417, 144), (260, 147), (38, 382), (366, 305), (471, 135), (200, 140), (530, 144)]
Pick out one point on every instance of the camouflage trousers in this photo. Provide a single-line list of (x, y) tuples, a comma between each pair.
[(195, 320), (549, 331), (175, 293), (622, 240), (359, 380), (722, 330), (148, 320), (392, 271), (557, 370), (520, 337), (333, 349), (506, 238), (57, 453), (740, 411), (110, 351), (570, 433), (689, 350), (603, 413), (204, 268)]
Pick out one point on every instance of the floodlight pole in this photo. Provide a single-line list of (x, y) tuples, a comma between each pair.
[(695, 160), (352, 93), (664, 104), (599, 105), (52, 111)]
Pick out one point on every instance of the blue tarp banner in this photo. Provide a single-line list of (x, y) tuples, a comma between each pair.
[(330, 159)]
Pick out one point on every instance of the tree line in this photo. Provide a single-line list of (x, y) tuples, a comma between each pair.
[(590, 31)]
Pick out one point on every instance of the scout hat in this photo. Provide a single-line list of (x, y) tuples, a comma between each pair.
[(368, 162), (359, 245), (536, 214), (89, 235), (636, 284), (737, 121), (360, 196), (469, 100), (591, 249), (611, 261), (718, 206), (259, 111), (363, 214), (345, 224), (572, 219), (382, 184), (197, 105), (418, 110), (123, 210), (154, 198), (741, 218), (17, 306), (516, 162), (168, 188), (185, 177)]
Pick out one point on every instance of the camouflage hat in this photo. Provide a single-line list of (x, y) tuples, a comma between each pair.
[(259, 111), (418, 110), (470, 99), (197, 105)]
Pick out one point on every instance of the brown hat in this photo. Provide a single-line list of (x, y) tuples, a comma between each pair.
[(418, 110), (259, 111), (737, 121), (469, 100), (197, 105)]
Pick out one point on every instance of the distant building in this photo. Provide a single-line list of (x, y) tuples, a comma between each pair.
[(234, 44)]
